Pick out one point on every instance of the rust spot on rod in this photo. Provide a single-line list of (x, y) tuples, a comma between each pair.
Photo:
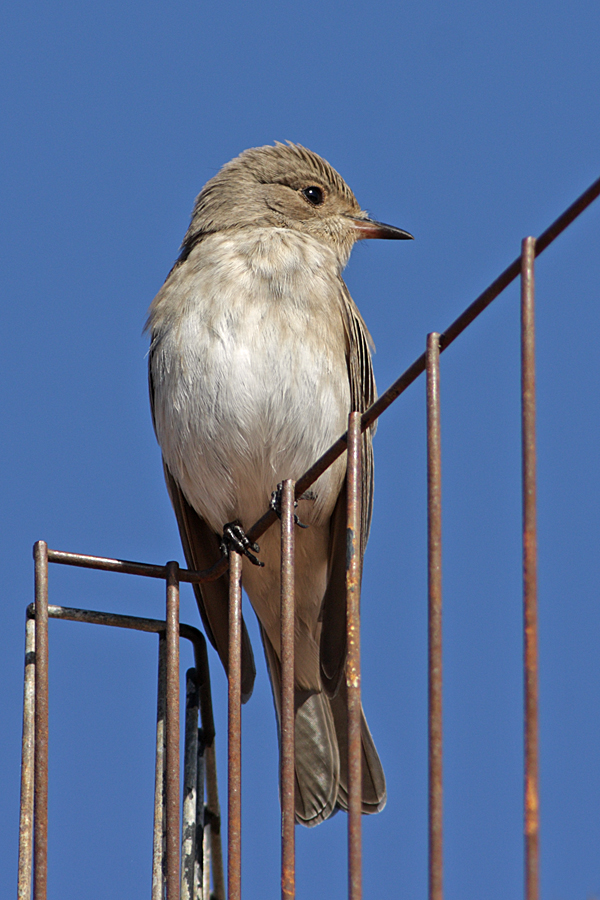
[(434, 560), (531, 787)]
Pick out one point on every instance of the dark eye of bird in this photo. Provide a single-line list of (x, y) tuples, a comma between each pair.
[(314, 195)]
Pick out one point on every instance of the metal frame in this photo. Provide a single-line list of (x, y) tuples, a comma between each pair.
[(34, 800), (201, 837)]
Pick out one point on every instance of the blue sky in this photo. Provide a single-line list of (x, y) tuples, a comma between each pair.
[(471, 125)]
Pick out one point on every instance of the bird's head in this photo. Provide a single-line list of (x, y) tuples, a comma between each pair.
[(285, 186)]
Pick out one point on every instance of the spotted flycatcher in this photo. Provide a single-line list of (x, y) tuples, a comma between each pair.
[(258, 355)]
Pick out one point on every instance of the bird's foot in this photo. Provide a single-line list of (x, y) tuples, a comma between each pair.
[(234, 538), (276, 505)]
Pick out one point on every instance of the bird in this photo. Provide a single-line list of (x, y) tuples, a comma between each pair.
[(257, 356)]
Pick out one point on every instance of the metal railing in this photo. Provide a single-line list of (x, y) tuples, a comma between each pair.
[(191, 884), (201, 851)]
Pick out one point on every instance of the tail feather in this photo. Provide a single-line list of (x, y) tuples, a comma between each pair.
[(317, 761), (374, 794), (321, 762)]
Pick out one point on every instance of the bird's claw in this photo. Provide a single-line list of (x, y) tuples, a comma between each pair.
[(276, 505), (234, 538)]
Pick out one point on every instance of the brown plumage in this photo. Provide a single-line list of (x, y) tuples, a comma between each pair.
[(258, 355)]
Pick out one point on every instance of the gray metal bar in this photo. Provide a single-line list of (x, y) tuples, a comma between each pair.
[(214, 845), (190, 777), (27, 767), (199, 886)]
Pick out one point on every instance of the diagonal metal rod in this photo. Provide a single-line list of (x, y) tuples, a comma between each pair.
[(368, 417), (450, 335), (353, 577), (434, 554), (530, 622), (288, 768)]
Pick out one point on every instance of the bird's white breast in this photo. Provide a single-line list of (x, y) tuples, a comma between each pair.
[(249, 370)]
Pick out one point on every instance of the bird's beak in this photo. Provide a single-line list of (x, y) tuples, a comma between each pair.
[(369, 228)]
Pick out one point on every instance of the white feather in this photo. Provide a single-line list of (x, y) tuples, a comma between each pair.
[(251, 387)]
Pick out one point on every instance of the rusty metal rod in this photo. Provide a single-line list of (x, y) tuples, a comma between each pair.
[(287, 622), (530, 624), (40, 815), (139, 623), (190, 787), (234, 731), (172, 732), (434, 560), (158, 843), (124, 566), (27, 767), (353, 578)]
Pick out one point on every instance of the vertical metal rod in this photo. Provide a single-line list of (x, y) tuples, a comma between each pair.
[(190, 776), (434, 554), (158, 852), (40, 834), (234, 730), (353, 579), (288, 777), (213, 852), (27, 766), (529, 570), (214, 846), (172, 731), (206, 864), (199, 885)]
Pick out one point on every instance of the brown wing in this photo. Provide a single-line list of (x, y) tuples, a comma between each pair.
[(363, 394), (202, 550)]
